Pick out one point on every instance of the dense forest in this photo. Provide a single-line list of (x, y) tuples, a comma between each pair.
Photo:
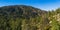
[(22, 17)]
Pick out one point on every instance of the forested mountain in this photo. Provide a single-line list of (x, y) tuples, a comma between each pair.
[(21, 10), (22, 17)]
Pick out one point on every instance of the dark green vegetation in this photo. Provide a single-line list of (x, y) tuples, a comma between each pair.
[(21, 17)]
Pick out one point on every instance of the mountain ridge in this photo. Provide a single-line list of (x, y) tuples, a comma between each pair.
[(21, 9)]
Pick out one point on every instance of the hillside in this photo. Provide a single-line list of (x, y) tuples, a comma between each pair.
[(13, 17), (21, 10), (22, 17)]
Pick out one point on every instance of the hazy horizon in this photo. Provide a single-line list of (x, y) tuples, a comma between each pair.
[(41, 4)]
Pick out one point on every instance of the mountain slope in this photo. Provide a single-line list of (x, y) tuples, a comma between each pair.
[(20, 10), (22, 17)]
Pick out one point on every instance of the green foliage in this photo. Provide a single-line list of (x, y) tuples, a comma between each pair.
[(54, 24)]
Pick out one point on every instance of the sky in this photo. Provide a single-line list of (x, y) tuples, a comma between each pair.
[(41, 4)]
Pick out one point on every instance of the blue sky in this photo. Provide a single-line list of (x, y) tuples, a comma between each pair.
[(42, 4)]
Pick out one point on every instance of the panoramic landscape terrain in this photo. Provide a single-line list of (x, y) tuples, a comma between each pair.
[(29, 14), (22, 17)]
